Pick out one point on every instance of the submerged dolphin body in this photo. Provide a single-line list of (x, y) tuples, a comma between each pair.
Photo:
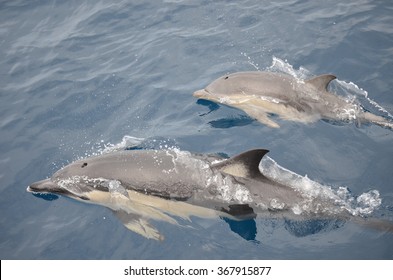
[(143, 185), (262, 93)]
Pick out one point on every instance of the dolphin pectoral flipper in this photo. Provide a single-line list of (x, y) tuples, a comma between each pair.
[(138, 224), (241, 220), (258, 114), (240, 211)]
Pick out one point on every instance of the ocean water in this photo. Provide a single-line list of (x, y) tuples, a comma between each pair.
[(82, 77)]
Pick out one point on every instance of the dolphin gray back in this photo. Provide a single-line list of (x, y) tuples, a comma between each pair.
[(260, 83), (161, 173)]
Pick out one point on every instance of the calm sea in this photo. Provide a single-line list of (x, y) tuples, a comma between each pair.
[(80, 76)]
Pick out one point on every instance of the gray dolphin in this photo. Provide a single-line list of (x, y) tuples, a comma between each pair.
[(168, 185), (262, 93)]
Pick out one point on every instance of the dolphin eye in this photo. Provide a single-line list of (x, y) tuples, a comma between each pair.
[(84, 164), (226, 78)]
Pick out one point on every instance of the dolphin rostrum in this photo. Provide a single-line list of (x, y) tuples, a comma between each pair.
[(260, 94), (162, 185)]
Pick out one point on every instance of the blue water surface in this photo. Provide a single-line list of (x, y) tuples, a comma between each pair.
[(77, 75)]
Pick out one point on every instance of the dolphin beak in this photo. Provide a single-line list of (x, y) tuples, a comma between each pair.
[(42, 186), (47, 186), (201, 94)]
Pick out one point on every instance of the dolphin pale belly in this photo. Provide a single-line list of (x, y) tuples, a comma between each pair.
[(261, 94), (171, 185)]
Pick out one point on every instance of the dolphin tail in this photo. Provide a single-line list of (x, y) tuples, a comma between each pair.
[(376, 224), (378, 120)]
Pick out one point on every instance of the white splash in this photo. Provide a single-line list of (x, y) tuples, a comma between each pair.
[(356, 90), (276, 204), (115, 188), (77, 185), (228, 191), (314, 193), (126, 142), (279, 65), (223, 186), (250, 61)]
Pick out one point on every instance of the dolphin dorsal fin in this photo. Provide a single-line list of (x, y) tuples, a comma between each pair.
[(321, 82), (244, 165)]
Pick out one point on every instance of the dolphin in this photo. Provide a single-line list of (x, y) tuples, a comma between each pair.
[(261, 94), (172, 185)]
